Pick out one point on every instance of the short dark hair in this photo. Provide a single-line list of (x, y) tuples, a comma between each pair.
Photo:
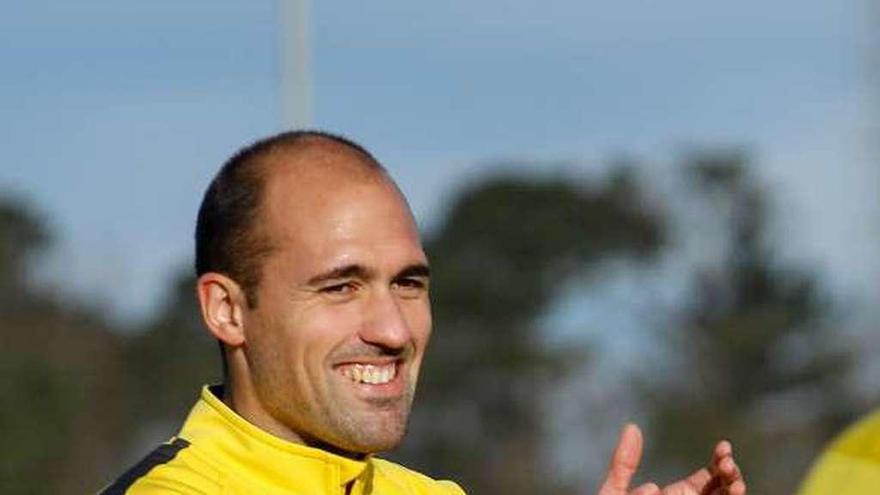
[(228, 237)]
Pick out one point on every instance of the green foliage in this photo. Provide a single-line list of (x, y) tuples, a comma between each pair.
[(752, 366), (508, 247), (71, 385), (33, 403), (22, 236), (61, 399), (174, 354), (750, 351)]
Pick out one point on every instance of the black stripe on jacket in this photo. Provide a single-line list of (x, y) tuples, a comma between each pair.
[(162, 455)]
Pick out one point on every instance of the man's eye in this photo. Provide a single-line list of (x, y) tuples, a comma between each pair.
[(345, 288), (411, 284)]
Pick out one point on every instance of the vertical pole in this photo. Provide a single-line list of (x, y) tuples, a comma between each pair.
[(296, 83)]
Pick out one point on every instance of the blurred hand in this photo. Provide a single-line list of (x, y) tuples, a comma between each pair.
[(722, 477)]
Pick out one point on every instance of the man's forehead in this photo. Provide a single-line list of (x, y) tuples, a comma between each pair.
[(325, 223), (313, 185), (307, 186)]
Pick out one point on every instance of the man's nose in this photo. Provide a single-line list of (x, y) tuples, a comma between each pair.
[(385, 324)]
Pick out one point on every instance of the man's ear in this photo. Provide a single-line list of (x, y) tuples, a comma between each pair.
[(222, 303)]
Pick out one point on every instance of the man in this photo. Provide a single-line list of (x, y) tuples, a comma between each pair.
[(313, 278)]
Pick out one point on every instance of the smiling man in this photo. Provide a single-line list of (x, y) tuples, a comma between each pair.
[(313, 279), (324, 347)]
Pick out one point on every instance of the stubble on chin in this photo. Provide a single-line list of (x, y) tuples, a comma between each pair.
[(379, 427)]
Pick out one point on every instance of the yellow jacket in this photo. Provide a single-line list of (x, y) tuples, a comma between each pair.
[(219, 452), (851, 465)]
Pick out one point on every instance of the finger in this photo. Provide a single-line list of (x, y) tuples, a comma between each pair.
[(738, 487), (728, 470), (723, 449), (702, 480), (680, 488), (624, 461), (646, 489)]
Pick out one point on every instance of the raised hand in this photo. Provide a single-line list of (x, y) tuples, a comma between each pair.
[(722, 477), (624, 464)]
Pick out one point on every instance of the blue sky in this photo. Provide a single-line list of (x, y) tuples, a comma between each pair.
[(117, 113)]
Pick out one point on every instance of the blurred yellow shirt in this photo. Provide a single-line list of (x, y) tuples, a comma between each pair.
[(851, 465), (219, 452)]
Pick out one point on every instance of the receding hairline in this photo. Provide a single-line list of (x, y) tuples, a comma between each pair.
[(318, 154), (318, 161), (226, 228)]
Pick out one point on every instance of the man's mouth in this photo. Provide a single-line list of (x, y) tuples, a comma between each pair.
[(373, 374)]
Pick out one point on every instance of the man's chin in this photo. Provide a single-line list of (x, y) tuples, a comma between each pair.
[(377, 432), (365, 422)]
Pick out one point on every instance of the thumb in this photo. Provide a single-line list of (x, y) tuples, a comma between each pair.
[(624, 461)]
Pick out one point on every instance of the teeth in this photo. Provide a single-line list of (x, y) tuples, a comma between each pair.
[(368, 373)]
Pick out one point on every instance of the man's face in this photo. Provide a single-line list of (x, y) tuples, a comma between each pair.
[(342, 319)]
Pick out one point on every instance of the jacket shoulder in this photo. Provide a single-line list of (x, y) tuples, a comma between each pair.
[(851, 465), (415, 482), (170, 468)]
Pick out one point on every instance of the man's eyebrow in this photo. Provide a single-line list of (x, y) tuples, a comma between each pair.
[(415, 270), (347, 271)]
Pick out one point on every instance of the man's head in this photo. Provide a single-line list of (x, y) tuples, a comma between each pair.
[(312, 275), (229, 238)]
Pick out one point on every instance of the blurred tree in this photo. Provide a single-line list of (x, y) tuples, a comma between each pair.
[(60, 378), (752, 349), (22, 237), (175, 355), (507, 247)]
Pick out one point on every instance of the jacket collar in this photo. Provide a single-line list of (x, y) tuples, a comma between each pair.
[(277, 461)]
